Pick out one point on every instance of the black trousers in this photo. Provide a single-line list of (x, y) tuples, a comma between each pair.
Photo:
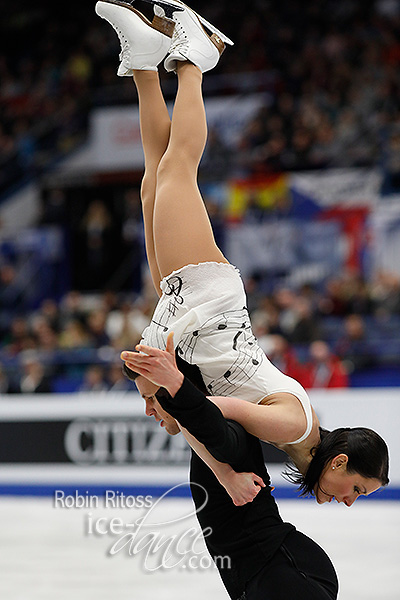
[(300, 570)]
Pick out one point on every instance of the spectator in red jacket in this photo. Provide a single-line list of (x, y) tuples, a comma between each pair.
[(324, 370), (282, 355)]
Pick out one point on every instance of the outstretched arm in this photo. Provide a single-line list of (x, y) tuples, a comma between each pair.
[(276, 423)]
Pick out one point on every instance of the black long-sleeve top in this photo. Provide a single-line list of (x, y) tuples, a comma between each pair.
[(250, 534)]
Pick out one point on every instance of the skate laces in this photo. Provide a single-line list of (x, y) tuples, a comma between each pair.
[(180, 40), (125, 47)]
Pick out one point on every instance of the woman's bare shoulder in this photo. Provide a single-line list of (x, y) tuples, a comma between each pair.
[(303, 451)]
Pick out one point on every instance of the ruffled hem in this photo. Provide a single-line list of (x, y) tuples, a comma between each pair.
[(198, 266)]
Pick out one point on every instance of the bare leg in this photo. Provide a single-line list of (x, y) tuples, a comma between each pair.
[(182, 229), (155, 126)]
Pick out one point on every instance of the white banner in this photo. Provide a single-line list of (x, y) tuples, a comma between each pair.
[(339, 187), (115, 133), (307, 250), (385, 225)]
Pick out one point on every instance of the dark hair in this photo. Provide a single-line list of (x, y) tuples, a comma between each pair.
[(132, 375), (367, 453)]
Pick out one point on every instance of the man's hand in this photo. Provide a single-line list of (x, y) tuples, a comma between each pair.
[(242, 487), (158, 366)]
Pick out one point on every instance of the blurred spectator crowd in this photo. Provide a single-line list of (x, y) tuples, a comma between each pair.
[(73, 345), (330, 70), (336, 95), (329, 73), (322, 337)]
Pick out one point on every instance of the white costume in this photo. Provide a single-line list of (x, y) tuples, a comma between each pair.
[(205, 306)]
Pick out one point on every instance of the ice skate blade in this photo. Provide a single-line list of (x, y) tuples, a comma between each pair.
[(168, 7), (177, 5), (161, 24)]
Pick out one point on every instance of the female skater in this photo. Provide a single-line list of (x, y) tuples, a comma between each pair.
[(202, 297)]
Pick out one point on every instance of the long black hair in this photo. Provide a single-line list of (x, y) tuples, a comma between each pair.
[(367, 453)]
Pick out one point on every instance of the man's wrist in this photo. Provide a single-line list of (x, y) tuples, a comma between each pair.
[(176, 385)]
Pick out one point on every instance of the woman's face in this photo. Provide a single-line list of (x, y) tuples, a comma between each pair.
[(336, 482)]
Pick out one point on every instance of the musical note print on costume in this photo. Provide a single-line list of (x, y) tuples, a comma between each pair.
[(247, 355), (174, 288), (211, 327), (166, 311), (248, 360), (205, 307)]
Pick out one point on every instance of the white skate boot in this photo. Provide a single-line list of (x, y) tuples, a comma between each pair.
[(190, 39), (143, 44)]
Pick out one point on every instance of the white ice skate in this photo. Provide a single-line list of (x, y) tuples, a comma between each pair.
[(143, 44), (191, 41), (170, 6)]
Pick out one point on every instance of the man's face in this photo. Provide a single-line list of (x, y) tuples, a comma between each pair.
[(153, 408)]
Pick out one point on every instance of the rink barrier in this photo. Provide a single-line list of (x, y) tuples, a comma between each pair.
[(92, 441)]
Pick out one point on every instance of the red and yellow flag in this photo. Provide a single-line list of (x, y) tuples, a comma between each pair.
[(269, 192)]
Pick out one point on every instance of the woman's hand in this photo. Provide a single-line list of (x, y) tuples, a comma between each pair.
[(242, 487), (158, 366)]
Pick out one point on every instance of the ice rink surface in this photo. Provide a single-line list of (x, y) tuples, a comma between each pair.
[(53, 553)]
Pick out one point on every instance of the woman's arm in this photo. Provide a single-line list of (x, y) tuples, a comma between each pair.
[(276, 423)]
